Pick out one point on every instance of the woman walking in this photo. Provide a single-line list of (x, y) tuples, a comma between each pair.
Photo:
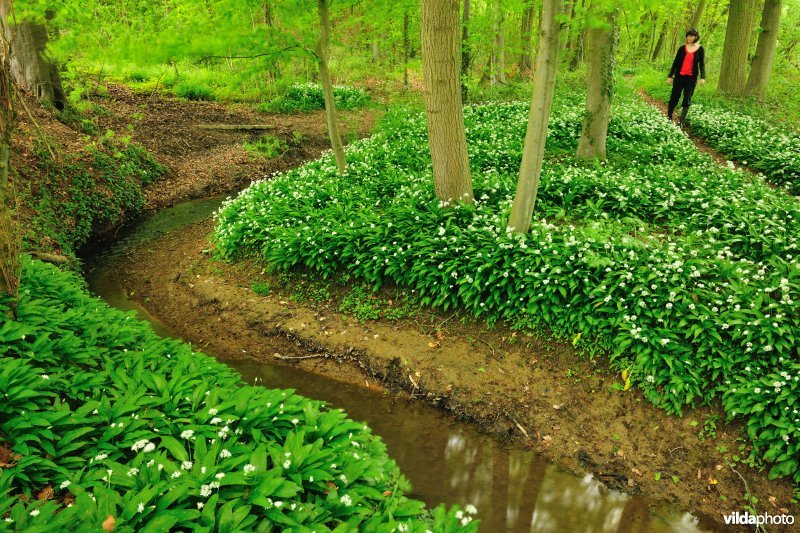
[(688, 65)]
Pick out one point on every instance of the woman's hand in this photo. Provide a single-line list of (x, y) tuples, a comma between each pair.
[(702, 82), (669, 81)]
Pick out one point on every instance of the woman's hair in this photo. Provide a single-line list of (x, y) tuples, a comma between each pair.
[(694, 33)]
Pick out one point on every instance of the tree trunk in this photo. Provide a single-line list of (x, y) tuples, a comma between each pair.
[(539, 115), (659, 42), (31, 68), (10, 239), (741, 19), (698, 13), (525, 59), (440, 66), (765, 50), (268, 14), (600, 89), (405, 49), (577, 57), (327, 86), (569, 12), (465, 51), (497, 73)]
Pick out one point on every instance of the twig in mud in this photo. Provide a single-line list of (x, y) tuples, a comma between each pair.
[(519, 426), (675, 449), (299, 357), (36, 125), (748, 494)]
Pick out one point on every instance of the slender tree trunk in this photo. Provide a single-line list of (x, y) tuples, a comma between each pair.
[(500, 45), (698, 13), (567, 27), (600, 89), (659, 42), (465, 51), (539, 115), (733, 70), (440, 66), (268, 14), (327, 86), (30, 66), (525, 59), (577, 57), (405, 49), (765, 50)]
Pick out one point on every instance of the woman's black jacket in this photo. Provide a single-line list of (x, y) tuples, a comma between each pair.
[(699, 65)]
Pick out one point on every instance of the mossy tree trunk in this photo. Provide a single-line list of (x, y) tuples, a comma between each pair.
[(732, 72), (602, 43), (31, 68), (440, 67), (327, 86), (765, 50), (539, 115), (10, 245)]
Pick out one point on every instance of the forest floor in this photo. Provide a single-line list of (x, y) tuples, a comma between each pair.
[(529, 388)]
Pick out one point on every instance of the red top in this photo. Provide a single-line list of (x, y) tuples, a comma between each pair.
[(687, 68)]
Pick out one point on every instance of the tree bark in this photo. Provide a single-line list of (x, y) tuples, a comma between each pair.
[(440, 66), (525, 59), (577, 57), (465, 51), (10, 238), (31, 68), (498, 68), (741, 19), (327, 86), (405, 49), (539, 115), (765, 50), (659, 42), (600, 89), (698, 13), (569, 11)]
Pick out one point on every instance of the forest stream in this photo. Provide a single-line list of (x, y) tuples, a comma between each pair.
[(514, 489)]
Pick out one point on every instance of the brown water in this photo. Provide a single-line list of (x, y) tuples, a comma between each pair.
[(446, 461)]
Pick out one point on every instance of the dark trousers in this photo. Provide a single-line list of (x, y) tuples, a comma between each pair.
[(681, 84)]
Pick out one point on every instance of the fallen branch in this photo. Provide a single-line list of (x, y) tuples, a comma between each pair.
[(299, 357), (236, 127)]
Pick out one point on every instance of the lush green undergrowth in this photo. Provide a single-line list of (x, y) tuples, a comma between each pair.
[(73, 195), (300, 97), (743, 136), (683, 272), (117, 421)]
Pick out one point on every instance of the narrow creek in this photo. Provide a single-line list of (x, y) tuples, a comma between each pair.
[(446, 461)]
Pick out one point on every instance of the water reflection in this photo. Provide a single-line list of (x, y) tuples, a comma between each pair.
[(512, 488)]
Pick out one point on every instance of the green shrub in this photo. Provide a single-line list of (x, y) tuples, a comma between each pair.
[(141, 428), (192, 90), (266, 147), (301, 97), (682, 271)]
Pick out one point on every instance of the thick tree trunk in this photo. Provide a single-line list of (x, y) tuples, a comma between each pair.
[(10, 245), (732, 72), (465, 51), (600, 89), (539, 115), (525, 55), (327, 86), (765, 50), (31, 68), (440, 66)]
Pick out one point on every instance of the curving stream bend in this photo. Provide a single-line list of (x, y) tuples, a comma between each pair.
[(446, 461)]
